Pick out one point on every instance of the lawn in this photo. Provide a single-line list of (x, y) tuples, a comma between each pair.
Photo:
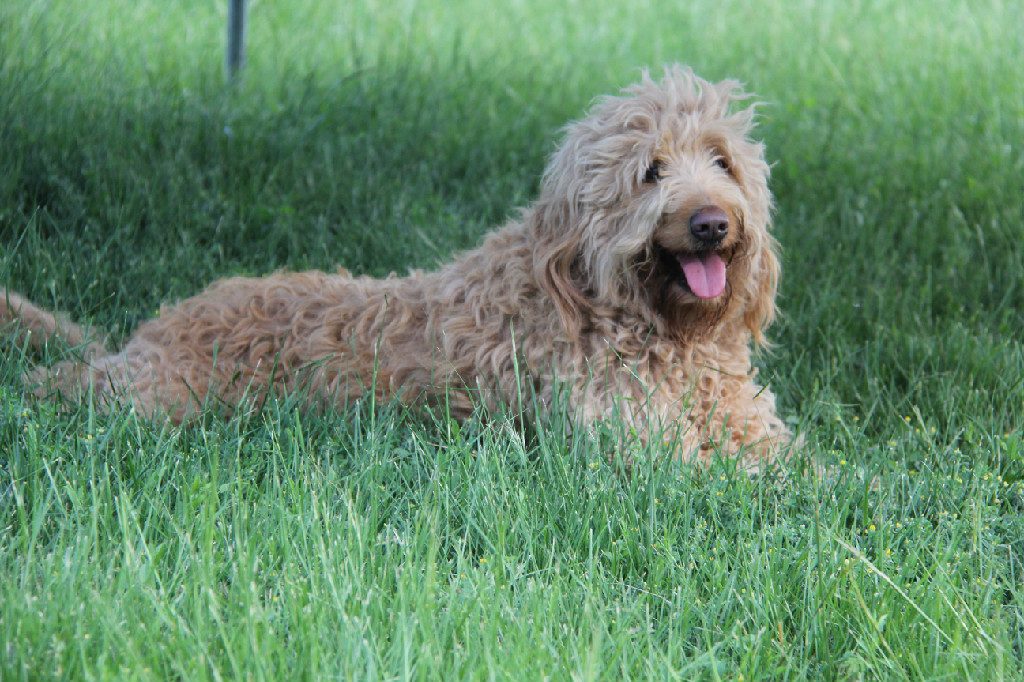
[(380, 544)]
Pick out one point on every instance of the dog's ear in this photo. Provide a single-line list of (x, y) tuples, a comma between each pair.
[(760, 310), (556, 253)]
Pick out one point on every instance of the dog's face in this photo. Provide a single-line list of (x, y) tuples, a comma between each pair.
[(664, 204)]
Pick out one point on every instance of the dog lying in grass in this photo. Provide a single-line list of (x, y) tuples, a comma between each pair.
[(637, 283)]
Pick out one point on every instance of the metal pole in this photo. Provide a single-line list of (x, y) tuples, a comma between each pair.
[(236, 37)]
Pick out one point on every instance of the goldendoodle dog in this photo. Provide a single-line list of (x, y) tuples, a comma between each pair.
[(633, 289)]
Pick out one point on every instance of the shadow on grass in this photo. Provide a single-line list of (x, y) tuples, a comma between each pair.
[(156, 192)]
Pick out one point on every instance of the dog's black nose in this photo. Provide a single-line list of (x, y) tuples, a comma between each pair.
[(709, 225)]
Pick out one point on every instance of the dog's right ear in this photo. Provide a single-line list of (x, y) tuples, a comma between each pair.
[(556, 255)]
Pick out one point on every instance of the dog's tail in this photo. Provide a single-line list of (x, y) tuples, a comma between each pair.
[(35, 326)]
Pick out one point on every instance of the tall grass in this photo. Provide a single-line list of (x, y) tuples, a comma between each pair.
[(373, 543)]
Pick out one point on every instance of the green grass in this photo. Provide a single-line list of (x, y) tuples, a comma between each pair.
[(377, 544)]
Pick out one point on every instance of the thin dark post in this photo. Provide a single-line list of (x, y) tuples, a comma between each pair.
[(236, 37)]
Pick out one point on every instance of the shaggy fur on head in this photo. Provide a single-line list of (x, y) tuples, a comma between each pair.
[(603, 291)]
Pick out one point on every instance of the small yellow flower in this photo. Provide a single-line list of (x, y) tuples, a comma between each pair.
[(842, 462), (888, 552), (871, 528)]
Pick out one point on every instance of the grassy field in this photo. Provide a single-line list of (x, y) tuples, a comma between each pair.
[(377, 544)]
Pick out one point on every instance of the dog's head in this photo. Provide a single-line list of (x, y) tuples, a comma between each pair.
[(658, 202)]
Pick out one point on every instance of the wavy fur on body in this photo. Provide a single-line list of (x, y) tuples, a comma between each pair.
[(582, 293)]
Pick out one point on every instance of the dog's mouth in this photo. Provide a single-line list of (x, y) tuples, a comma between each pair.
[(701, 273)]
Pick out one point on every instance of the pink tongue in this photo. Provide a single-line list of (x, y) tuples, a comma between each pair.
[(705, 275)]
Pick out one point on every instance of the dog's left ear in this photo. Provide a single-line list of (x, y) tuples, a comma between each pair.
[(753, 173), (760, 310)]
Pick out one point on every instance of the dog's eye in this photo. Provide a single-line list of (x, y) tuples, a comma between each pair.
[(653, 172), (722, 163)]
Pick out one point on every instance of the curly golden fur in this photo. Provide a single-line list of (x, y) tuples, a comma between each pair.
[(605, 288)]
